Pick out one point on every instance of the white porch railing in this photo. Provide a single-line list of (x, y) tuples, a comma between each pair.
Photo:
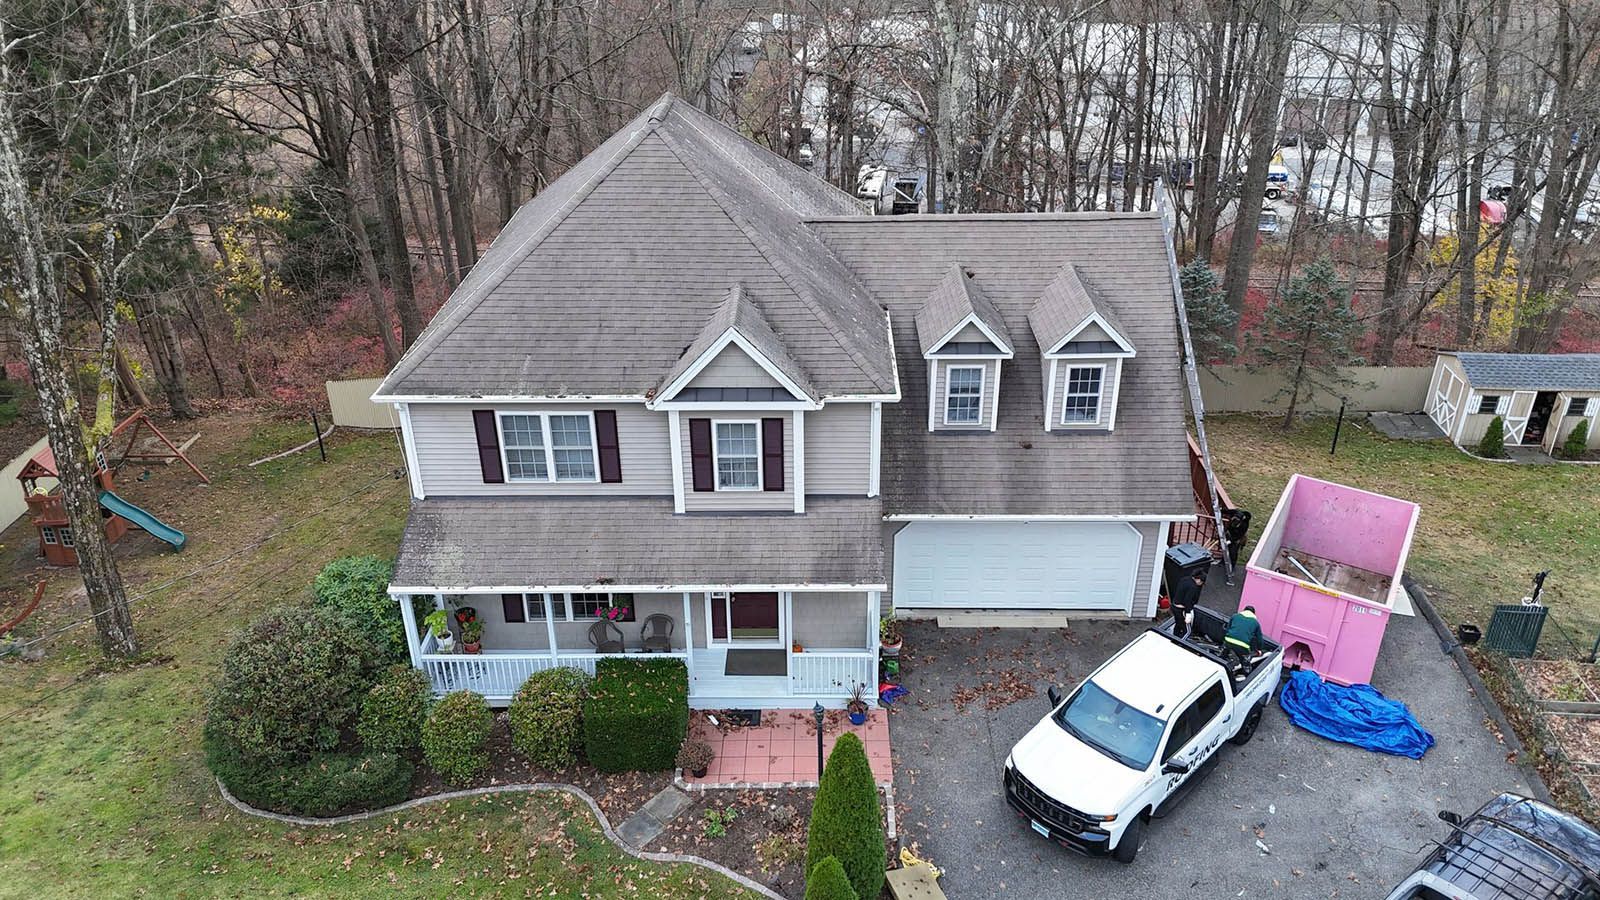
[(835, 673), (498, 675)]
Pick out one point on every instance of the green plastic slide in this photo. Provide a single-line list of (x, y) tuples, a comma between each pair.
[(142, 519)]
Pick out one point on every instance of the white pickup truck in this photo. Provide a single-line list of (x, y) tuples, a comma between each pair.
[(1127, 744)]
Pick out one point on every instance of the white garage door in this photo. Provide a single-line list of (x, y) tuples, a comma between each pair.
[(1016, 565)]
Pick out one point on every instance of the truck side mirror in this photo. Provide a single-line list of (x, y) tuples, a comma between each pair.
[(1054, 693), (1174, 767), (1450, 818)]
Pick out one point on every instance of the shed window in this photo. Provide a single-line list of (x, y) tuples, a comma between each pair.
[(963, 395), (1487, 404), (49, 533), (1082, 404), (738, 456), (1578, 406)]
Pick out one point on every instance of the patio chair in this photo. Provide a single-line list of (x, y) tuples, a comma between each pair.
[(656, 635), (606, 637)]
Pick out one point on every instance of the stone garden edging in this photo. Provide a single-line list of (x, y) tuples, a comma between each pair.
[(535, 787)]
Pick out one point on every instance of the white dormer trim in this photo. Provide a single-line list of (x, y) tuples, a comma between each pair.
[(973, 320), (732, 336), (1094, 319)]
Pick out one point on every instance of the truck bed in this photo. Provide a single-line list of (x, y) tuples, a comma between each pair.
[(1205, 638)]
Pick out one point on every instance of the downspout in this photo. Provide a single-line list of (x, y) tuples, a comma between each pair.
[(1192, 374)]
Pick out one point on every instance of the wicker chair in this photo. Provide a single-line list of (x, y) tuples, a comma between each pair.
[(606, 637), (656, 635)]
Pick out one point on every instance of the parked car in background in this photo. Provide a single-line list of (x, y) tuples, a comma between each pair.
[(1267, 222), (1512, 848)]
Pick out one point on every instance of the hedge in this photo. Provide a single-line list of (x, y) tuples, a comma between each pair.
[(846, 822), (291, 683), (455, 737), (394, 710), (357, 587), (828, 881), (328, 784), (546, 716), (637, 714)]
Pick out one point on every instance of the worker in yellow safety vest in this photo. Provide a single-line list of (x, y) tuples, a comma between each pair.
[(1244, 637)]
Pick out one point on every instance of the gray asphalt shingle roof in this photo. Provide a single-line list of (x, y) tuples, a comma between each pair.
[(528, 542), (952, 300), (599, 284), (1065, 304), (739, 311), (1533, 371)]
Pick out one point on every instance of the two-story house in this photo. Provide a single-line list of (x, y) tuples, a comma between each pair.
[(691, 381)]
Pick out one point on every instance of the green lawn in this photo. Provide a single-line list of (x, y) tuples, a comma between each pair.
[(1485, 527), (103, 791)]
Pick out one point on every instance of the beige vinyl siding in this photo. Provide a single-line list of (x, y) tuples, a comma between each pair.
[(447, 451), (827, 620), (573, 637), (733, 368), (839, 449), (985, 407), (1108, 390), (736, 501)]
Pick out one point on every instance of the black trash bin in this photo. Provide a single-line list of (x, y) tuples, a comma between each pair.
[(1183, 560)]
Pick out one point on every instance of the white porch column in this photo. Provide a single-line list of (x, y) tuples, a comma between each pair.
[(688, 632), (409, 617), (874, 602), (786, 630), (799, 461), (550, 624)]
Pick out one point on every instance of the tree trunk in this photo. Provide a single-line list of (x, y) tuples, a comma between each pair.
[(1273, 59), (128, 383), (166, 353), (957, 153)]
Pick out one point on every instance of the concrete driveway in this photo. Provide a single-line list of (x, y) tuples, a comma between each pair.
[(1339, 821)]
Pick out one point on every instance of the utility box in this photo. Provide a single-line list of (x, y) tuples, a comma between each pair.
[(1325, 574)]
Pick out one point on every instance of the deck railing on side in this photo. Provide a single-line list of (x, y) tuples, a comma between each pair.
[(497, 676), (833, 673)]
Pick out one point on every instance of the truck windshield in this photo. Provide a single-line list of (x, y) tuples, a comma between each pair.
[(1111, 726)]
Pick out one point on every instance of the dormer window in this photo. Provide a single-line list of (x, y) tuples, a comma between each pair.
[(1083, 346), (1081, 405), (963, 401)]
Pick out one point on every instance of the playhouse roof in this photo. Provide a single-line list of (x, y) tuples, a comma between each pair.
[(42, 465)]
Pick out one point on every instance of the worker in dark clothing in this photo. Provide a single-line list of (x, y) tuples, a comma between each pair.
[(1244, 638), (1185, 596)]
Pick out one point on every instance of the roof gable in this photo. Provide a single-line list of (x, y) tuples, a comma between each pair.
[(1067, 308), (955, 305), (737, 326)]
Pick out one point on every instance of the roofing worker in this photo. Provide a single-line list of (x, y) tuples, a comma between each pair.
[(1185, 596), (1244, 637)]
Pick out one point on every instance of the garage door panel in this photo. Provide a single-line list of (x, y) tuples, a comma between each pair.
[(1016, 565)]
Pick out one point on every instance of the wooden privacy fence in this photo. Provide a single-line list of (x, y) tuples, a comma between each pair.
[(352, 407), (1376, 389)]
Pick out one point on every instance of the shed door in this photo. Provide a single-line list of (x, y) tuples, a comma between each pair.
[(1517, 414), (1016, 565)]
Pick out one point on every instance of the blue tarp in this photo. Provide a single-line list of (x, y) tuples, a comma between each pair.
[(1355, 715)]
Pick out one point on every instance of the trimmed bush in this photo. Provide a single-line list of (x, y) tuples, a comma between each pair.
[(637, 714), (394, 710), (546, 716), (328, 784), (1493, 444), (292, 682), (455, 737), (828, 882), (357, 587), (1577, 442), (846, 821)]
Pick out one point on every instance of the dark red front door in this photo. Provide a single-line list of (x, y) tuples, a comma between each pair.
[(753, 616)]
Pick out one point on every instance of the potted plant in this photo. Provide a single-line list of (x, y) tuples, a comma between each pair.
[(857, 707), (889, 636), (438, 622), (798, 647), (695, 757), (472, 636), (614, 613)]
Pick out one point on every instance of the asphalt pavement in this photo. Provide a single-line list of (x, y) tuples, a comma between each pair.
[(1338, 821)]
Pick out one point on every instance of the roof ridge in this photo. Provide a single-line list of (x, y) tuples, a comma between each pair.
[(443, 325), (826, 322)]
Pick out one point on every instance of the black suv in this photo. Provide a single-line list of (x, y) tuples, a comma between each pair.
[(1511, 849)]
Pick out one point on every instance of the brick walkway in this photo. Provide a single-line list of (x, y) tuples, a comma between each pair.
[(784, 747)]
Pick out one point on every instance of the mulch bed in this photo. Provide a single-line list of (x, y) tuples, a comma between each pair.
[(619, 794), (766, 841), (1579, 737), (1559, 679)]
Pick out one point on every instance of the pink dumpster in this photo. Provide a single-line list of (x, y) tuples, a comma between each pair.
[(1325, 574)]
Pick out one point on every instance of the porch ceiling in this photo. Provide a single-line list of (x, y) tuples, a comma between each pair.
[(457, 543)]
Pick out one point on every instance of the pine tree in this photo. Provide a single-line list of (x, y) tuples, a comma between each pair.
[(846, 821), (1310, 333), (1493, 443), (1577, 441), (1211, 320), (827, 881)]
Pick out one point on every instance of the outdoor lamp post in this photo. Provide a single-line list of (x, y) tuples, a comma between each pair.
[(816, 711)]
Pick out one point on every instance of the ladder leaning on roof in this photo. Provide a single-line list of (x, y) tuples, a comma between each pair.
[(1190, 371)]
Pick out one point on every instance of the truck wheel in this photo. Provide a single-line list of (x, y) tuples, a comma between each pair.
[(1248, 729), (1128, 847)]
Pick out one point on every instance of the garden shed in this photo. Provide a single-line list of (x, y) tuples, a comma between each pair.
[(1541, 396)]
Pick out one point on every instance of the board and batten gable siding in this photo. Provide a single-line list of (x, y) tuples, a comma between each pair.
[(985, 408), (839, 449), (1108, 390), (733, 368), (736, 501), (447, 452), (829, 620)]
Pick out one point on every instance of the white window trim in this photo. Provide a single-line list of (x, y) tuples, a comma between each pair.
[(48, 532), (983, 379), (64, 533), (716, 456), (531, 602), (1100, 397), (730, 642), (549, 451)]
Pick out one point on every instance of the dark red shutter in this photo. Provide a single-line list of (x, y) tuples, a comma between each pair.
[(772, 454), (605, 435), (700, 454), (511, 604), (488, 446)]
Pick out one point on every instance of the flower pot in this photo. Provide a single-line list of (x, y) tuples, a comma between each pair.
[(890, 650), (1469, 634), (858, 718), (472, 646), (447, 644), (698, 773)]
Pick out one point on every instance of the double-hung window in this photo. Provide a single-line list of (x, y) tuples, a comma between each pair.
[(963, 395), (588, 606), (1082, 403), (540, 447), (738, 453)]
